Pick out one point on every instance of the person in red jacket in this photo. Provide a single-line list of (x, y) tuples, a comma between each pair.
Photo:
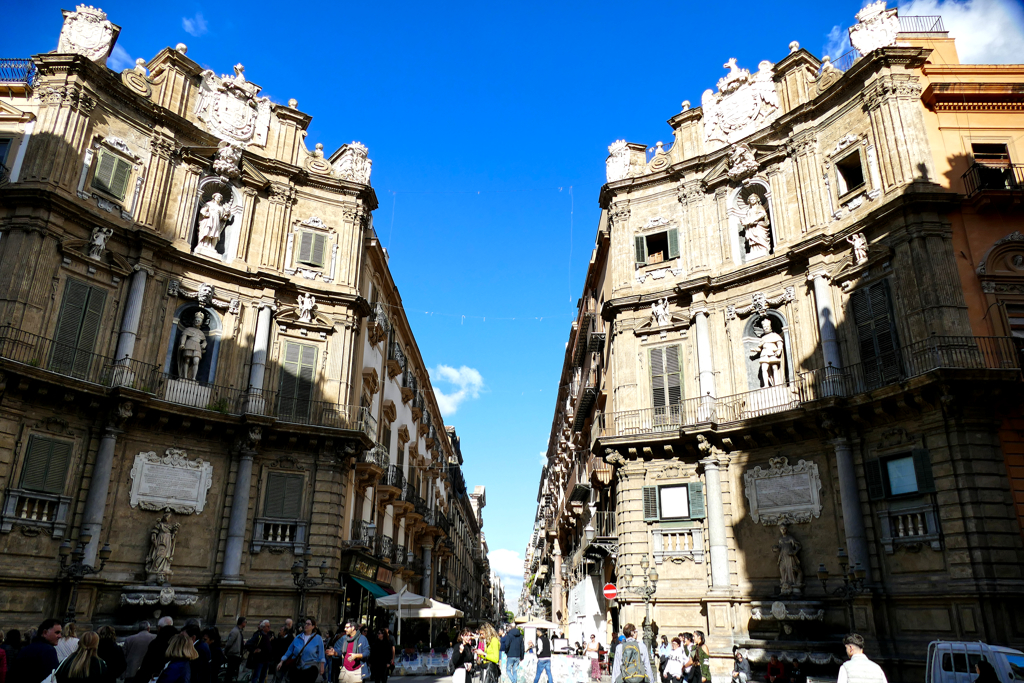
[(776, 671)]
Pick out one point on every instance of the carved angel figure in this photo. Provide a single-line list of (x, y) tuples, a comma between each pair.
[(790, 572), (161, 550), (755, 227), (768, 354), (307, 303), (191, 348), (213, 219), (860, 247), (659, 313), (98, 242)]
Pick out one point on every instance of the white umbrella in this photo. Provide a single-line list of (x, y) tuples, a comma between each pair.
[(403, 598), (435, 610), (541, 623)]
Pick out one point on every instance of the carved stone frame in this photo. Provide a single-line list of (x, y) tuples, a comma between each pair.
[(785, 514)]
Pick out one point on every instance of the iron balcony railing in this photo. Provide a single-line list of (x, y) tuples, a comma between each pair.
[(913, 360), (384, 547), (17, 70), (921, 24), (393, 477), (604, 524), (224, 400), (419, 505), (326, 414), (429, 518), (398, 556), (362, 534), (442, 523), (993, 177), (408, 493), (377, 456)]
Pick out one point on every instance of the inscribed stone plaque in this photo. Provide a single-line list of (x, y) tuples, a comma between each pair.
[(170, 482), (783, 493)]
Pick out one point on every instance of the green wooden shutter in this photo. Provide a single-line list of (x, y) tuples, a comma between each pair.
[(119, 181), (284, 496), (72, 309), (696, 499), (658, 398), (876, 335), (923, 470), (89, 332), (641, 249), (673, 376), (307, 373), (673, 243), (319, 247), (104, 171), (289, 378), (651, 512), (873, 475), (305, 246), (57, 471), (46, 465)]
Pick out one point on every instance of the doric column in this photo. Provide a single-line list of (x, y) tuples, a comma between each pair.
[(239, 509), (556, 585), (704, 364), (99, 483), (425, 584), (826, 319), (716, 516), (853, 522), (132, 311)]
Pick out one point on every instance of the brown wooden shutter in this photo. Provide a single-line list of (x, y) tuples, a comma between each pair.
[(284, 496), (46, 465), (923, 470), (873, 476), (876, 335)]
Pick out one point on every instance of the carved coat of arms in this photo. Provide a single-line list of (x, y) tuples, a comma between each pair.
[(352, 163), (87, 32), (743, 104), (231, 110), (876, 27)]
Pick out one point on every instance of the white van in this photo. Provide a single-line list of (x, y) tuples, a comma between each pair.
[(953, 662)]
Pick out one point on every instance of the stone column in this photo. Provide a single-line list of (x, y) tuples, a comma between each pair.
[(716, 518), (258, 370), (238, 518), (556, 586), (826, 319), (132, 311), (853, 522), (704, 364), (425, 584), (99, 486)]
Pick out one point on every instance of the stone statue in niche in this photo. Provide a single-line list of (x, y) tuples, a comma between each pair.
[(768, 354), (307, 304), (213, 218), (755, 226), (791, 575), (860, 247), (161, 550), (659, 313), (98, 242), (191, 348)]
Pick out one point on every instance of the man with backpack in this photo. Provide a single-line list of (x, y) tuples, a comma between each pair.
[(632, 663), (543, 657)]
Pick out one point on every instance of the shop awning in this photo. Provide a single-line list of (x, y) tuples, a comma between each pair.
[(375, 590)]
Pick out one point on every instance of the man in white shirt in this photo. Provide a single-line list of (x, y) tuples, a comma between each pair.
[(859, 669)]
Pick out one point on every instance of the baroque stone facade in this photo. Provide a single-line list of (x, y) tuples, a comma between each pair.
[(775, 373), (197, 320)]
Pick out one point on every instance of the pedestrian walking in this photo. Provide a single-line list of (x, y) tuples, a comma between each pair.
[(332, 655), (111, 653), (38, 659), (492, 653), (632, 661), (83, 665), (859, 668), (354, 649), (218, 661), (543, 656), (179, 655), (305, 656), (462, 656), (594, 654), (135, 651), (233, 649), (156, 654), (279, 646), (513, 647), (260, 651), (10, 643), (380, 657), (200, 666), (702, 657), (68, 643)]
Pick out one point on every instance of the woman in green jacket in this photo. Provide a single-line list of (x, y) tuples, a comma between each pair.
[(492, 655)]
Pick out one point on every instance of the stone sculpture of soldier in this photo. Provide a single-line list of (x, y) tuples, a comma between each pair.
[(768, 354), (191, 348)]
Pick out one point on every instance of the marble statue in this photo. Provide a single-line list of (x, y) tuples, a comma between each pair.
[(659, 313), (98, 242), (213, 219), (229, 157), (307, 304), (768, 354), (790, 572), (755, 226), (617, 163), (87, 32), (191, 348), (876, 27), (860, 247), (161, 550)]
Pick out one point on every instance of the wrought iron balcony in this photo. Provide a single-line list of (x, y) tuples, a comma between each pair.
[(420, 506), (396, 359), (442, 523), (398, 556), (17, 70), (1003, 179), (363, 534), (384, 547), (418, 402), (376, 457), (417, 566), (378, 326), (392, 477), (604, 525)]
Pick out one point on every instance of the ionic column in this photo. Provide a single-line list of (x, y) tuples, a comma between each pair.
[(132, 312), (556, 584), (99, 486), (826, 319), (239, 515), (853, 522), (716, 517), (704, 366), (425, 583)]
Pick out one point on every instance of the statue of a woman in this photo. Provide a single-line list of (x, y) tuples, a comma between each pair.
[(790, 573), (755, 228), (161, 550)]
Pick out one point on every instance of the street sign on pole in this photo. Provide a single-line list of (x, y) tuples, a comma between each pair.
[(609, 591)]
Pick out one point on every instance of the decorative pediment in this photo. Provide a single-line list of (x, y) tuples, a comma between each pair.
[(229, 107), (371, 380), (304, 318), (744, 104), (760, 303), (204, 295), (94, 253)]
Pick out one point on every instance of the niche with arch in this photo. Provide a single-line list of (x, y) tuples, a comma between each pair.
[(181, 388), (232, 199), (750, 245), (752, 334)]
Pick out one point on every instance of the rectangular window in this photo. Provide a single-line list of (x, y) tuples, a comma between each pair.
[(297, 374), (876, 335), (112, 174), (5, 146), (46, 465), (78, 326), (385, 436), (658, 247), (904, 474), (990, 153), (1015, 319), (674, 502), (849, 173), (283, 499), (666, 384), (312, 247)]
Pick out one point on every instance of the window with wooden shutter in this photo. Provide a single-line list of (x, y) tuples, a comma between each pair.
[(666, 384), (873, 476), (312, 248), (696, 500), (673, 244), (641, 250), (78, 326), (46, 464), (283, 499), (112, 175), (876, 335), (923, 470), (651, 504), (674, 502), (298, 371)]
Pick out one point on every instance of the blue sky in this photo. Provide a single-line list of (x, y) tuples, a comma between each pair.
[(488, 126)]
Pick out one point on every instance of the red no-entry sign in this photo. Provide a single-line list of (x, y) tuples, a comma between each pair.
[(609, 591)]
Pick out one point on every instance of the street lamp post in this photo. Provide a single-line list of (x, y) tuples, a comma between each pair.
[(303, 581), (646, 593), (852, 577), (73, 568)]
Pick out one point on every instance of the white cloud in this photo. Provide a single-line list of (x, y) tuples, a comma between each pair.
[(120, 60), (508, 565), (543, 458), (468, 381), (194, 26), (986, 31), (838, 42)]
